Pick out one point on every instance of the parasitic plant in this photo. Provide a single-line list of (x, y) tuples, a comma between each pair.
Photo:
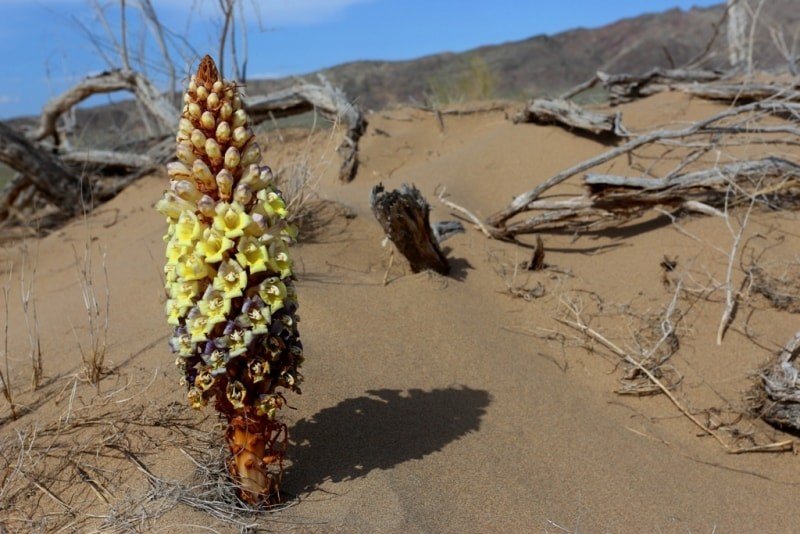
[(229, 282)]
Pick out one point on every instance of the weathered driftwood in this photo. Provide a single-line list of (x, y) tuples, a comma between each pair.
[(106, 161), (742, 92), (329, 101), (711, 85), (777, 393), (574, 117), (627, 87), (404, 216), (42, 170), (497, 224), (618, 198), (107, 82)]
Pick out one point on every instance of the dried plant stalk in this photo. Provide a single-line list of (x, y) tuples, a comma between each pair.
[(229, 281)]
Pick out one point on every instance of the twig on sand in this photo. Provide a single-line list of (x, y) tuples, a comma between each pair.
[(455, 207), (578, 324)]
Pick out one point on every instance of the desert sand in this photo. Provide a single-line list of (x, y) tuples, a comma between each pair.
[(431, 404)]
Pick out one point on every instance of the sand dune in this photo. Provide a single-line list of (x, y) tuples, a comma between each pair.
[(431, 404)]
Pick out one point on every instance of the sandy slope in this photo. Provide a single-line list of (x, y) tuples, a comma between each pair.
[(426, 406)]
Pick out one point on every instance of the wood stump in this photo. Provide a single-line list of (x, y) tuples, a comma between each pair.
[(405, 217)]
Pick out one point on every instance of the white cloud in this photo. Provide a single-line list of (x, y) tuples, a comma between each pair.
[(8, 99), (271, 12)]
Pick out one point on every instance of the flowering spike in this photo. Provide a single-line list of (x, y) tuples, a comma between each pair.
[(229, 281)]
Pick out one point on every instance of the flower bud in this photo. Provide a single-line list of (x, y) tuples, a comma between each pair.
[(224, 184), (218, 86), (232, 158), (202, 176), (197, 138), (193, 84), (178, 171), (239, 118), (207, 120), (185, 153), (250, 175), (186, 190), (265, 177), (243, 194), (212, 102), (193, 110), (225, 111), (202, 93), (251, 154), (223, 133), (213, 150), (185, 126), (206, 206), (240, 136)]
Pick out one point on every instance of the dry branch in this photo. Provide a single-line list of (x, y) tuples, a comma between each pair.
[(627, 87), (107, 82), (709, 126), (775, 181), (329, 101), (404, 216), (574, 117), (44, 171), (776, 397)]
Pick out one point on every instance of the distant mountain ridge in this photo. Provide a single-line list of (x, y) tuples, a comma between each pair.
[(545, 64)]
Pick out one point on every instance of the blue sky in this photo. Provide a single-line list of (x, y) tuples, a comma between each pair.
[(45, 51)]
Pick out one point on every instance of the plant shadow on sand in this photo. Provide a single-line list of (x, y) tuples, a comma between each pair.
[(378, 431)]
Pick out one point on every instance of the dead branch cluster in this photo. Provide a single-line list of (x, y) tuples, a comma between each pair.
[(758, 115)]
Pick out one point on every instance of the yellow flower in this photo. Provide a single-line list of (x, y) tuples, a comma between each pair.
[(274, 205), (196, 324), (182, 344), (231, 219), (215, 307), (188, 229), (213, 244), (192, 267), (255, 317), (230, 280), (252, 255), (175, 312), (175, 250), (238, 342), (184, 292), (170, 275), (290, 231), (273, 292), (279, 258)]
